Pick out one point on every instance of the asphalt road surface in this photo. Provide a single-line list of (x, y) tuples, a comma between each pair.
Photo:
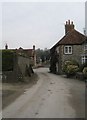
[(53, 96)]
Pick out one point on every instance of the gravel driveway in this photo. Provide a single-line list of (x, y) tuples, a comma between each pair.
[(53, 96)]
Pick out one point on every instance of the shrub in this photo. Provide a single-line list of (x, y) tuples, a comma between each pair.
[(85, 70), (69, 62), (65, 65), (70, 68)]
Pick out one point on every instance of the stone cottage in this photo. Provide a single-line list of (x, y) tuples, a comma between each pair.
[(73, 46)]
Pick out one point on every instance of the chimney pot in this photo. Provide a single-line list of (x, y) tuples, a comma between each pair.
[(72, 22), (66, 22), (69, 22), (33, 47), (6, 46)]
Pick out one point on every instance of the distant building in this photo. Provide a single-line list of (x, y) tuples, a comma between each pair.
[(17, 63), (30, 53), (72, 46)]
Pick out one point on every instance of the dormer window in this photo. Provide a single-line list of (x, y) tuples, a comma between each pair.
[(67, 49)]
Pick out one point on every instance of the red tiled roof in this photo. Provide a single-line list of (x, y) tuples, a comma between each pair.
[(72, 38), (28, 52)]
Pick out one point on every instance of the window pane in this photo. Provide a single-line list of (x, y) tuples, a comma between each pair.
[(66, 49), (70, 50), (84, 59), (85, 46)]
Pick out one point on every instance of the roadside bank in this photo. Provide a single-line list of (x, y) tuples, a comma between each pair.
[(11, 91)]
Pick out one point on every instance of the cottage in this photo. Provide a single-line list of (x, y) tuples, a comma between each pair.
[(73, 46)]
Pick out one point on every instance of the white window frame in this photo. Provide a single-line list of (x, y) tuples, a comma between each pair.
[(85, 47), (84, 59), (68, 49)]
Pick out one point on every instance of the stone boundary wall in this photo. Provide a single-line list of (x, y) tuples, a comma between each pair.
[(21, 69)]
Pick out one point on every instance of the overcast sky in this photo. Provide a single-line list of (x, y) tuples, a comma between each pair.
[(25, 24)]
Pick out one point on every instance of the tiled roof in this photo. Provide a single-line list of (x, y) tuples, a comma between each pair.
[(28, 52), (72, 38)]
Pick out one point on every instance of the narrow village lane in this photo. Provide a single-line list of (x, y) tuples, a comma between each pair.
[(52, 97)]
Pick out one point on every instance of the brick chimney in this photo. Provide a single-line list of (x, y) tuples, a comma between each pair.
[(6, 46), (69, 26), (33, 47)]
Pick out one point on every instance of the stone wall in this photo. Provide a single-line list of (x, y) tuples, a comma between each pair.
[(21, 69), (22, 63), (76, 55)]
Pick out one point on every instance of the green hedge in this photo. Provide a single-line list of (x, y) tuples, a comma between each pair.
[(7, 60)]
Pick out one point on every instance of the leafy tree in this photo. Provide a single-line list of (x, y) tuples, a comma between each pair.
[(43, 54)]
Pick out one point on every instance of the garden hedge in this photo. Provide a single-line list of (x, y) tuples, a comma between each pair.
[(7, 60)]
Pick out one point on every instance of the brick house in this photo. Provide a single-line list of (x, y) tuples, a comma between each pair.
[(28, 53), (16, 63), (73, 46)]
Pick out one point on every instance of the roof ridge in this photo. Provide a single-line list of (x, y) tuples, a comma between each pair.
[(77, 38)]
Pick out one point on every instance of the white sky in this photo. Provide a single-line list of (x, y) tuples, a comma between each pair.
[(25, 24)]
